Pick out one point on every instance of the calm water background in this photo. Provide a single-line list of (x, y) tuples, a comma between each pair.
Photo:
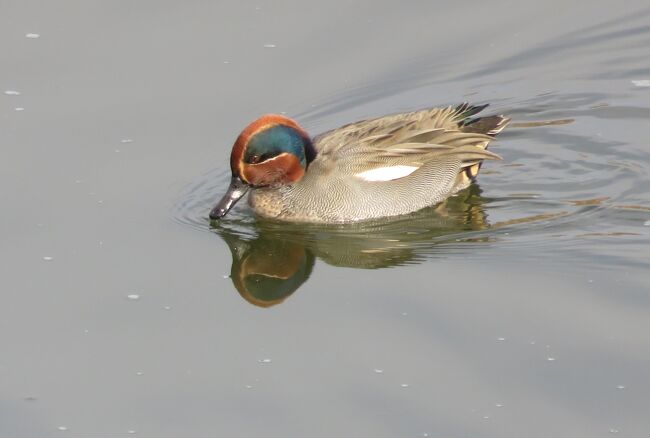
[(523, 311)]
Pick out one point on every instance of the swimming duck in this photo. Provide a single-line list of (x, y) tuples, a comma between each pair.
[(374, 168)]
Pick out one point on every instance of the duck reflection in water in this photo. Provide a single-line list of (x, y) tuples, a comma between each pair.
[(271, 260)]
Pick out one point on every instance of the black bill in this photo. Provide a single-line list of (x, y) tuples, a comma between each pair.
[(235, 192)]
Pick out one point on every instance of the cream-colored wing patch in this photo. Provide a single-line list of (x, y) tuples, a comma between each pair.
[(386, 173)]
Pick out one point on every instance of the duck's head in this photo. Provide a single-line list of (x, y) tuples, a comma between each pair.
[(271, 151)]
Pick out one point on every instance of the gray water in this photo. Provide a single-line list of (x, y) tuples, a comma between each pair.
[(520, 308)]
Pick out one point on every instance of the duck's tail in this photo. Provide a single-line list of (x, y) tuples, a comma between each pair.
[(490, 125)]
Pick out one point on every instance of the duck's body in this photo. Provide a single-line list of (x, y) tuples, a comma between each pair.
[(375, 168)]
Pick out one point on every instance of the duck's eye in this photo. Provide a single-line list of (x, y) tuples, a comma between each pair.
[(255, 159)]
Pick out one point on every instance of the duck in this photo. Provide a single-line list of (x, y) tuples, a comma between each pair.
[(371, 169)]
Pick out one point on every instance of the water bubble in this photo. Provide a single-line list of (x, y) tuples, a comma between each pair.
[(131, 432), (264, 360), (270, 46), (126, 140), (12, 93), (641, 82), (550, 359), (486, 417), (32, 35), (612, 430), (62, 428), (647, 223), (139, 373), (378, 371), (620, 387), (499, 405), (404, 385), (133, 297), (501, 339), (248, 386), (167, 308), (19, 108), (48, 258)]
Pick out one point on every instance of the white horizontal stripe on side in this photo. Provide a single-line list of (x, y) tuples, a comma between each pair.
[(386, 173)]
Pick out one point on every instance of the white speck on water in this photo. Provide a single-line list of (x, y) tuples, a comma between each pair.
[(126, 140), (86, 331), (501, 339), (100, 201), (425, 434), (613, 430), (48, 258), (12, 93), (39, 225), (550, 359), (226, 276), (590, 281), (378, 371), (101, 242), (19, 108), (620, 387), (167, 308), (131, 432), (647, 223), (499, 405), (139, 373), (133, 297), (642, 82), (264, 361), (404, 385), (226, 62), (77, 181), (248, 386), (486, 417), (404, 314), (62, 428), (32, 35), (270, 46), (117, 150), (532, 342)]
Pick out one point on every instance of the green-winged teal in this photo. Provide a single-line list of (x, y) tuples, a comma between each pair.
[(374, 168)]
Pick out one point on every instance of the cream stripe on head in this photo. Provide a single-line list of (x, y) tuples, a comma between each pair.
[(386, 173)]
